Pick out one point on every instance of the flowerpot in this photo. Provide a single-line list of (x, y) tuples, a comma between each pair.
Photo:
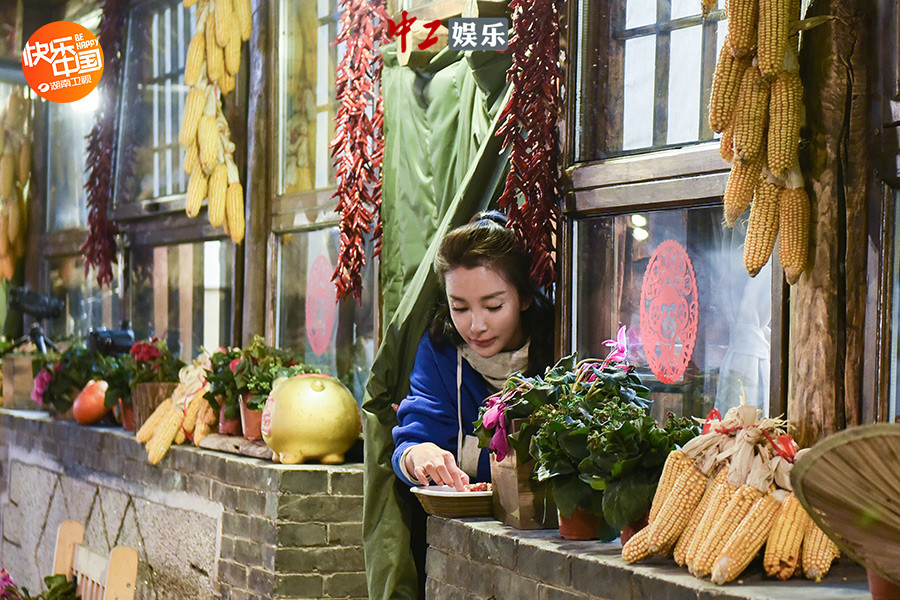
[(881, 588), (127, 412), (632, 528), (519, 500), (18, 382), (251, 420), (582, 525), (228, 426), (145, 397)]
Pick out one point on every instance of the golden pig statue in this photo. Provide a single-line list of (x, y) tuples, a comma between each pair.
[(310, 416)]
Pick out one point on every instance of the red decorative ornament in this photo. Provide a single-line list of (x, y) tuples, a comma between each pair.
[(529, 128), (100, 246), (358, 145), (320, 307), (670, 311)]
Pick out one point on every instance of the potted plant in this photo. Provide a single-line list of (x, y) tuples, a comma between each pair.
[(114, 371), (224, 395), (259, 366), (153, 376), (595, 443), (505, 425), (60, 376), (58, 588)]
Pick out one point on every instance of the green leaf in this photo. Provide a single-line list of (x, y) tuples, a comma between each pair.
[(627, 500)]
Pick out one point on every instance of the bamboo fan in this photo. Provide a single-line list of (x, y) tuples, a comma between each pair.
[(850, 485)]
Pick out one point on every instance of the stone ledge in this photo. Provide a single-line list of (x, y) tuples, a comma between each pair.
[(540, 564)]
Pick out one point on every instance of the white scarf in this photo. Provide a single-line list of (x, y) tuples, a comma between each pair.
[(497, 369)]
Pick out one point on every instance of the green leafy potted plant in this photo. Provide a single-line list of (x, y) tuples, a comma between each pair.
[(595, 443), (114, 371), (259, 366), (153, 376), (224, 394), (58, 588), (60, 376)]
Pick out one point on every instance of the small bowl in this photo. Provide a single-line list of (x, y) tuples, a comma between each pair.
[(444, 501)]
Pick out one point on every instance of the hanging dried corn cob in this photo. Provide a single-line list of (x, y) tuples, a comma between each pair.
[(15, 172), (793, 215), (786, 116), (762, 228), (213, 61)]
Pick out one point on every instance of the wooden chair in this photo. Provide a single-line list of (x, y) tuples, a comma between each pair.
[(98, 577)]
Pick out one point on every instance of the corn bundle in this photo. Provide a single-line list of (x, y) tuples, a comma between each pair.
[(185, 414), (756, 101), (15, 172), (213, 60), (725, 497)]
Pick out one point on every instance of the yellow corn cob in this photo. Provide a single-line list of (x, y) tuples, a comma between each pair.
[(193, 410), (233, 48), (636, 548), (208, 141), (818, 552), (725, 88), (7, 173), (783, 546), (750, 115), (793, 228), (180, 436), (7, 266), (710, 548), (215, 59), (763, 227), (742, 21), (5, 243), (146, 431), (742, 180), (164, 435), (726, 142), (24, 168), (16, 216), (226, 82), (676, 464), (223, 21), (189, 3), (773, 35), (201, 430), (722, 495), (785, 119), (747, 539), (193, 110), (191, 157), (676, 511), (197, 191), (242, 14), (706, 6), (234, 210), (194, 61), (684, 540), (218, 184)]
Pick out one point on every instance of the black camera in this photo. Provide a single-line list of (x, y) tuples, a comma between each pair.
[(111, 341), (34, 304)]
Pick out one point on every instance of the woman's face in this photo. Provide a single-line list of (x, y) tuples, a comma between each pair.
[(485, 309)]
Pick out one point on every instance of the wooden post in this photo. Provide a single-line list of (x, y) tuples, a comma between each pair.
[(828, 304)]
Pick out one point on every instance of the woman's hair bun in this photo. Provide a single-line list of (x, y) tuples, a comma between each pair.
[(493, 216)]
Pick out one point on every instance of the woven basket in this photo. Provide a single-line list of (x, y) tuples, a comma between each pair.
[(849, 483), (145, 397), (443, 501)]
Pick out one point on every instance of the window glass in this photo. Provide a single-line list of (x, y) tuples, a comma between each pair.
[(183, 293), (86, 305), (696, 340), (150, 159), (639, 13), (307, 62), (684, 86), (339, 339), (69, 126)]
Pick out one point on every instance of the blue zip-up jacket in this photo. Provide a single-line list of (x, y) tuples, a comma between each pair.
[(428, 413)]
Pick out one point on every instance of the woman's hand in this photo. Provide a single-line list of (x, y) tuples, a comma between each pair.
[(429, 460)]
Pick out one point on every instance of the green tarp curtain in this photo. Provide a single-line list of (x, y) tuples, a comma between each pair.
[(442, 164)]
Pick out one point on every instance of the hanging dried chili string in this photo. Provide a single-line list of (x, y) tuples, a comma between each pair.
[(100, 246), (358, 146), (529, 128)]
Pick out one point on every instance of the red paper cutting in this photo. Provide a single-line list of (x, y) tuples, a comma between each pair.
[(320, 307), (670, 311)]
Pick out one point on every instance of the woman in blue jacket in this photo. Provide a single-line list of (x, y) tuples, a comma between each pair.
[(492, 323)]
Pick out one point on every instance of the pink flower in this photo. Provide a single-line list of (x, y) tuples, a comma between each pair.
[(41, 382), (619, 347), (495, 418), (6, 581)]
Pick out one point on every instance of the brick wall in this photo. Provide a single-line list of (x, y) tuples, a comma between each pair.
[(205, 524)]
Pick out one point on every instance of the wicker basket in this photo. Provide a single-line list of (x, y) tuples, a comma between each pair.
[(444, 501), (145, 397)]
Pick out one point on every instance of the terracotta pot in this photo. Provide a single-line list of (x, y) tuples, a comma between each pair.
[(251, 420), (582, 525), (881, 588), (228, 426), (127, 412), (632, 528)]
